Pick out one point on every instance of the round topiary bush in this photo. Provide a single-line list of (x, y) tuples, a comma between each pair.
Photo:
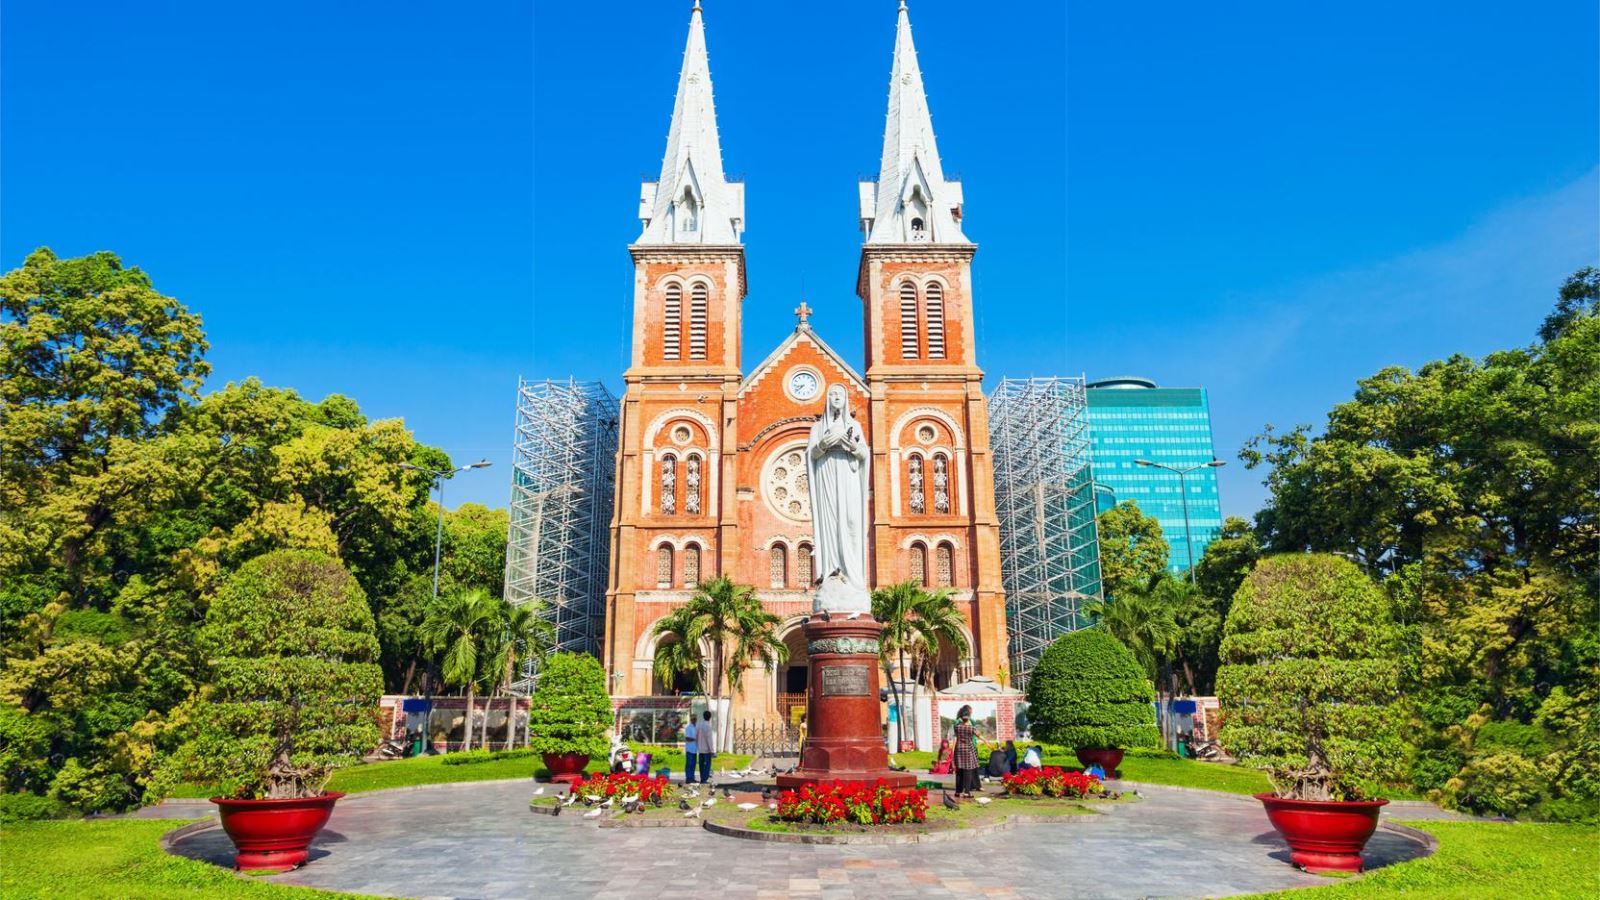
[(570, 710), (294, 683), (1088, 691), (1310, 681)]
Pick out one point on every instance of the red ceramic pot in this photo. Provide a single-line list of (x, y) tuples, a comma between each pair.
[(273, 835), (1107, 758), (565, 767), (1324, 835)]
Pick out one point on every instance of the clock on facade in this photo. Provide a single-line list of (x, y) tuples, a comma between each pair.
[(804, 385)]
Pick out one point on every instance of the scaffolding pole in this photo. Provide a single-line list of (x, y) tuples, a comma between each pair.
[(558, 542), (1044, 498)]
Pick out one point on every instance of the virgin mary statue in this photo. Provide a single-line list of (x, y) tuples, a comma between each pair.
[(837, 464)]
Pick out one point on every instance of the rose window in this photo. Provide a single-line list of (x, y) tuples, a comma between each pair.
[(786, 486)]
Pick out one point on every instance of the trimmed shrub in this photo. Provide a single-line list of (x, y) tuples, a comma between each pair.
[(1310, 681), (1089, 691), (294, 690), (32, 807), (570, 709)]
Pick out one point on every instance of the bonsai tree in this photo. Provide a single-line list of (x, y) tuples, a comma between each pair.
[(1310, 681), (570, 709), (294, 683), (1088, 691)]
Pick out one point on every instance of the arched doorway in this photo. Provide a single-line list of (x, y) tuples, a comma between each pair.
[(793, 676)]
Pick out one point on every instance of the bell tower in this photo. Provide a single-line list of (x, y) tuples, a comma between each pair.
[(674, 524), (933, 477)]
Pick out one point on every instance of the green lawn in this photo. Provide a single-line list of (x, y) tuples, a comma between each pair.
[(1151, 770), (115, 858), (1519, 861)]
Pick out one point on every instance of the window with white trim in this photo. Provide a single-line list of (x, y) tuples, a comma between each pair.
[(664, 567), (699, 299), (944, 563), (691, 566), (778, 566), (691, 486), (672, 323), (669, 484), (803, 565), (919, 564), (914, 477), (941, 484), (935, 305), (908, 320)]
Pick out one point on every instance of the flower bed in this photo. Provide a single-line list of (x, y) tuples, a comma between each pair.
[(602, 786), (1051, 781), (855, 801)]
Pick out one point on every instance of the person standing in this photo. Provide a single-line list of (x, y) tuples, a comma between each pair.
[(691, 751), (966, 753), (706, 739)]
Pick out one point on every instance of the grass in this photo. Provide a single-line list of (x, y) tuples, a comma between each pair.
[(1169, 770), (1523, 861), (116, 858)]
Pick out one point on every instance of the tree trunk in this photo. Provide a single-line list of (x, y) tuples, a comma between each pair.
[(411, 669), (470, 696)]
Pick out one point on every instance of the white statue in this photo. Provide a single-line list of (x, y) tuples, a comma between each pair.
[(837, 467)]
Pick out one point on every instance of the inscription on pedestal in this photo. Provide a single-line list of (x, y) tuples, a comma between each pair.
[(846, 681)]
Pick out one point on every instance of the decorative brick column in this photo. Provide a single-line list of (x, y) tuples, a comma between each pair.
[(844, 741)]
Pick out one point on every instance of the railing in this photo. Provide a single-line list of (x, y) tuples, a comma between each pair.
[(760, 739), (787, 703)]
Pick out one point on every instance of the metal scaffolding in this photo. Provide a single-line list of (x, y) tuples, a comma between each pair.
[(558, 545), (1044, 497)]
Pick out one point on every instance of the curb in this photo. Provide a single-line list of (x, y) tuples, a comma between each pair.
[(931, 837)]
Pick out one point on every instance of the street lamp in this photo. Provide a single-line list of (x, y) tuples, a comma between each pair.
[(1183, 491)]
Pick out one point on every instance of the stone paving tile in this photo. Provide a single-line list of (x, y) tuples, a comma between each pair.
[(480, 841)]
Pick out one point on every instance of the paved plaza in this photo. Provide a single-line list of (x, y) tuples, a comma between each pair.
[(480, 841)]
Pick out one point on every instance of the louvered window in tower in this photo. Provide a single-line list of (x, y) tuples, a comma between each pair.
[(935, 321), (908, 321), (672, 328), (919, 564), (803, 565), (944, 564), (697, 320), (778, 567), (664, 567), (691, 566)]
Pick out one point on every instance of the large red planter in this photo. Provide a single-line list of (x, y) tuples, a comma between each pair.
[(273, 835), (1107, 758), (565, 767), (1324, 835)]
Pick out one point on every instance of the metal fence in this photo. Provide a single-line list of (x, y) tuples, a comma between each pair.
[(758, 738)]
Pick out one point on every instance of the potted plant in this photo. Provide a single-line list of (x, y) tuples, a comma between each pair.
[(1310, 692), (293, 695), (569, 714), (1088, 692)]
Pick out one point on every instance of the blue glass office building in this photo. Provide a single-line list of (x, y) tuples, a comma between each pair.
[(1132, 418)]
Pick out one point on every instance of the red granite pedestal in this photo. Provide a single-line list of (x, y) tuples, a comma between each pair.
[(844, 741)]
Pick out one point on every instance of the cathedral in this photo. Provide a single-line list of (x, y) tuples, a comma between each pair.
[(710, 478)]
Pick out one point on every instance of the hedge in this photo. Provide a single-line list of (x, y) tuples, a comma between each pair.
[(1088, 691)]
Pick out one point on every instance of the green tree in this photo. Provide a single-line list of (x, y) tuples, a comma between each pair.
[(1227, 560), (1132, 550), (1088, 691), (294, 678), (916, 623), (1143, 618), (1310, 682), (570, 710), (523, 637), (462, 627), (729, 620)]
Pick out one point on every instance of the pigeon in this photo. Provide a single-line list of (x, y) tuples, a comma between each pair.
[(608, 803), (588, 800), (594, 814), (854, 615), (630, 800), (772, 806), (538, 792), (710, 802), (693, 813), (727, 794), (985, 800), (571, 799), (949, 803), (694, 793), (683, 804), (766, 794), (748, 806)]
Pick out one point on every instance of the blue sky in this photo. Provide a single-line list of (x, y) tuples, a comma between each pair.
[(413, 204)]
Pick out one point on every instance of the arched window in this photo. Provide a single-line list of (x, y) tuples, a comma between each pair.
[(778, 566), (691, 486), (919, 564), (691, 566), (914, 476), (669, 484), (664, 567), (935, 295), (672, 323), (941, 484), (908, 320), (803, 565), (698, 300), (944, 565)]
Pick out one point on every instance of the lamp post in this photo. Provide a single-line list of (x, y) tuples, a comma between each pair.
[(1183, 491)]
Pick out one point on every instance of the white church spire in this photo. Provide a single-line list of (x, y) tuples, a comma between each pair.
[(911, 202), (692, 202)]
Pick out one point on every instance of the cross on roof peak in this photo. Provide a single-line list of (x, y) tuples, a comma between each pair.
[(803, 312)]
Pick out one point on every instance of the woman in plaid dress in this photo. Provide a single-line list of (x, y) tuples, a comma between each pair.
[(966, 740)]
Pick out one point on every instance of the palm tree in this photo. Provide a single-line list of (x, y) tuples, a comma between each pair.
[(915, 622), (462, 625), (731, 620), (523, 636), (1143, 620)]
